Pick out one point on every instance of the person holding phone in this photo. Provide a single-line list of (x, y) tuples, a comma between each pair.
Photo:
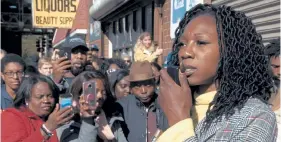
[(95, 119), (145, 49), (71, 63), (36, 114), (220, 55)]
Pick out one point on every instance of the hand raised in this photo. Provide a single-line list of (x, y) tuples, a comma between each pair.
[(60, 67), (175, 100), (58, 117)]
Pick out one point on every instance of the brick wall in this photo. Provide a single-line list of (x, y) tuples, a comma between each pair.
[(162, 28), (105, 42), (167, 42), (161, 32), (101, 43)]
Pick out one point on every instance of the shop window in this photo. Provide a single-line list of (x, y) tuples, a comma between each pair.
[(116, 23), (120, 25), (114, 27), (135, 20), (127, 26), (105, 27), (143, 18)]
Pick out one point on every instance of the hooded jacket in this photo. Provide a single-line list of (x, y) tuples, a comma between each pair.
[(112, 77)]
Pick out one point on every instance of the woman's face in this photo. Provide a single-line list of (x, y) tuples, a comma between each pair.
[(199, 53), (41, 101), (146, 41), (122, 88)]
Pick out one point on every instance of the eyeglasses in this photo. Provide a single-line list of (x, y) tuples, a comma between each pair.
[(127, 61), (11, 74)]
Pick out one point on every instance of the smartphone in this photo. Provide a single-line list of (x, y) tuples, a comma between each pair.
[(89, 91), (65, 102), (173, 71), (63, 53)]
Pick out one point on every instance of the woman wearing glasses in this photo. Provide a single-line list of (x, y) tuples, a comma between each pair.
[(127, 59), (12, 69)]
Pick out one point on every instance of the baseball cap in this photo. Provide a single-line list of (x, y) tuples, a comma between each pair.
[(94, 48), (76, 43)]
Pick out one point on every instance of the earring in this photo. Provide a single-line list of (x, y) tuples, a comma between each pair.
[(26, 104)]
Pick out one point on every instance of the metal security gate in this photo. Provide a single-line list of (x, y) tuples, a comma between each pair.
[(265, 14)]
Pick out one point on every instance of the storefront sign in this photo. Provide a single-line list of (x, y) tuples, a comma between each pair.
[(54, 13), (178, 9)]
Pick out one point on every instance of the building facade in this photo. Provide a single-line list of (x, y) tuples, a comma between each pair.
[(79, 26), (122, 21)]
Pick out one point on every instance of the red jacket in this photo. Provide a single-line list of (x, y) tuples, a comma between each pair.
[(22, 126)]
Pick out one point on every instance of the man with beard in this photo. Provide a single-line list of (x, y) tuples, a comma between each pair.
[(93, 52), (64, 70)]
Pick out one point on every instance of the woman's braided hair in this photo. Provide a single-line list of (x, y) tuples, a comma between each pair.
[(242, 72)]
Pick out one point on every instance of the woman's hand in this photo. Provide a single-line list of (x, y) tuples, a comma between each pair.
[(85, 109), (58, 117), (158, 51), (175, 100)]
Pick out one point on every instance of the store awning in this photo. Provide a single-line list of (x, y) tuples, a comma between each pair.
[(102, 8)]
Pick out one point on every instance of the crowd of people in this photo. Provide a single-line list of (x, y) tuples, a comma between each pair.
[(220, 83)]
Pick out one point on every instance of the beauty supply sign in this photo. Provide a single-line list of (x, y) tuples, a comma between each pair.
[(54, 13)]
